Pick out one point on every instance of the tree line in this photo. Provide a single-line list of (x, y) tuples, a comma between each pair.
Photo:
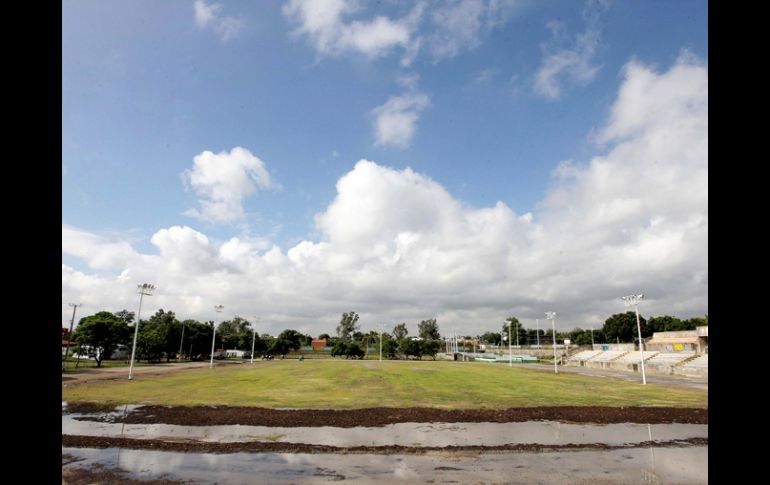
[(163, 336)]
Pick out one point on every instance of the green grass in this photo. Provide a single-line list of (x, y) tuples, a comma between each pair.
[(361, 384)]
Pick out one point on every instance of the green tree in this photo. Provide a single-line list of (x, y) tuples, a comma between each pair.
[(428, 329), (665, 323), (294, 337), (389, 348), (431, 347), (622, 326), (101, 334), (347, 325), (126, 316), (411, 347), (491, 338), (324, 336), (515, 326), (400, 331)]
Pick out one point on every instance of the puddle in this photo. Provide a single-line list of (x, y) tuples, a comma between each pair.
[(403, 434), (629, 466)]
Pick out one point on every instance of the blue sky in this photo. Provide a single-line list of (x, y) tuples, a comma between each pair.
[(481, 99)]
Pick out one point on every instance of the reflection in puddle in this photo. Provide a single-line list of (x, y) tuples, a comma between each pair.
[(629, 466), (404, 434)]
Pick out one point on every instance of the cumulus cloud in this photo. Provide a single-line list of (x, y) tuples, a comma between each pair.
[(395, 122), (396, 246), (565, 61), (322, 22), (223, 180), (207, 16)]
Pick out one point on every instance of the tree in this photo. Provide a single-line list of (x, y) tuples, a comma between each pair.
[(428, 329), (400, 331), (431, 347), (389, 347), (665, 323), (348, 349), (622, 326), (324, 336), (347, 325), (294, 337), (491, 338), (126, 316), (235, 334), (101, 334), (159, 336), (411, 347), (280, 346), (516, 326)]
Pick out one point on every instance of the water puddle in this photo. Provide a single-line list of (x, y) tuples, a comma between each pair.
[(404, 434), (628, 466)]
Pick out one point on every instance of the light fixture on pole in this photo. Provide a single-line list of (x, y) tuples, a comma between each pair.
[(143, 289), (254, 339), (218, 309), (552, 317), (634, 300), (69, 335)]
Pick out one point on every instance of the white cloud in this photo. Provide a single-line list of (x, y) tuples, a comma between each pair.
[(395, 122), (396, 246), (574, 62), (224, 180), (322, 22), (208, 17), (460, 25)]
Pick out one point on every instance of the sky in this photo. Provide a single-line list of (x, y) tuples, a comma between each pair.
[(462, 160)]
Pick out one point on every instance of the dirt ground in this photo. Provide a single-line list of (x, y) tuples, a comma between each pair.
[(117, 373), (372, 417), (191, 446)]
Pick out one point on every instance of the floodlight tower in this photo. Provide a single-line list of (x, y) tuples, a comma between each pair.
[(143, 289), (552, 317), (69, 335), (634, 300), (254, 338), (218, 309)]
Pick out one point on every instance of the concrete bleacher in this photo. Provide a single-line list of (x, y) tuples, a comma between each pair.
[(633, 357), (609, 355), (697, 367), (584, 355), (670, 358)]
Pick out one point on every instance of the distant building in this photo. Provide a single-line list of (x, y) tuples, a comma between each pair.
[(318, 343), (684, 341)]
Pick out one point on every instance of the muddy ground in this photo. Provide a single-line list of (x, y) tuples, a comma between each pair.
[(373, 417), (191, 446)]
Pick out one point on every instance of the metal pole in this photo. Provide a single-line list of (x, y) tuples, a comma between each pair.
[(510, 341), (641, 343), (69, 335), (181, 341), (144, 289), (218, 309), (552, 317), (537, 322), (254, 339)]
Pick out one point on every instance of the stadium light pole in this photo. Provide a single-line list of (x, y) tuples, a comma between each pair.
[(217, 308), (181, 342), (634, 300), (510, 341), (69, 335), (552, 317), (143, 289), (592, 337), (254, 338)]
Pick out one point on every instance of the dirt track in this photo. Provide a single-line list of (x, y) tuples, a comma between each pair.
[(349, 418), (188, 446)]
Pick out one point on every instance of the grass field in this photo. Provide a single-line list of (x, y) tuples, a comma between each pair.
[(361, 384)]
